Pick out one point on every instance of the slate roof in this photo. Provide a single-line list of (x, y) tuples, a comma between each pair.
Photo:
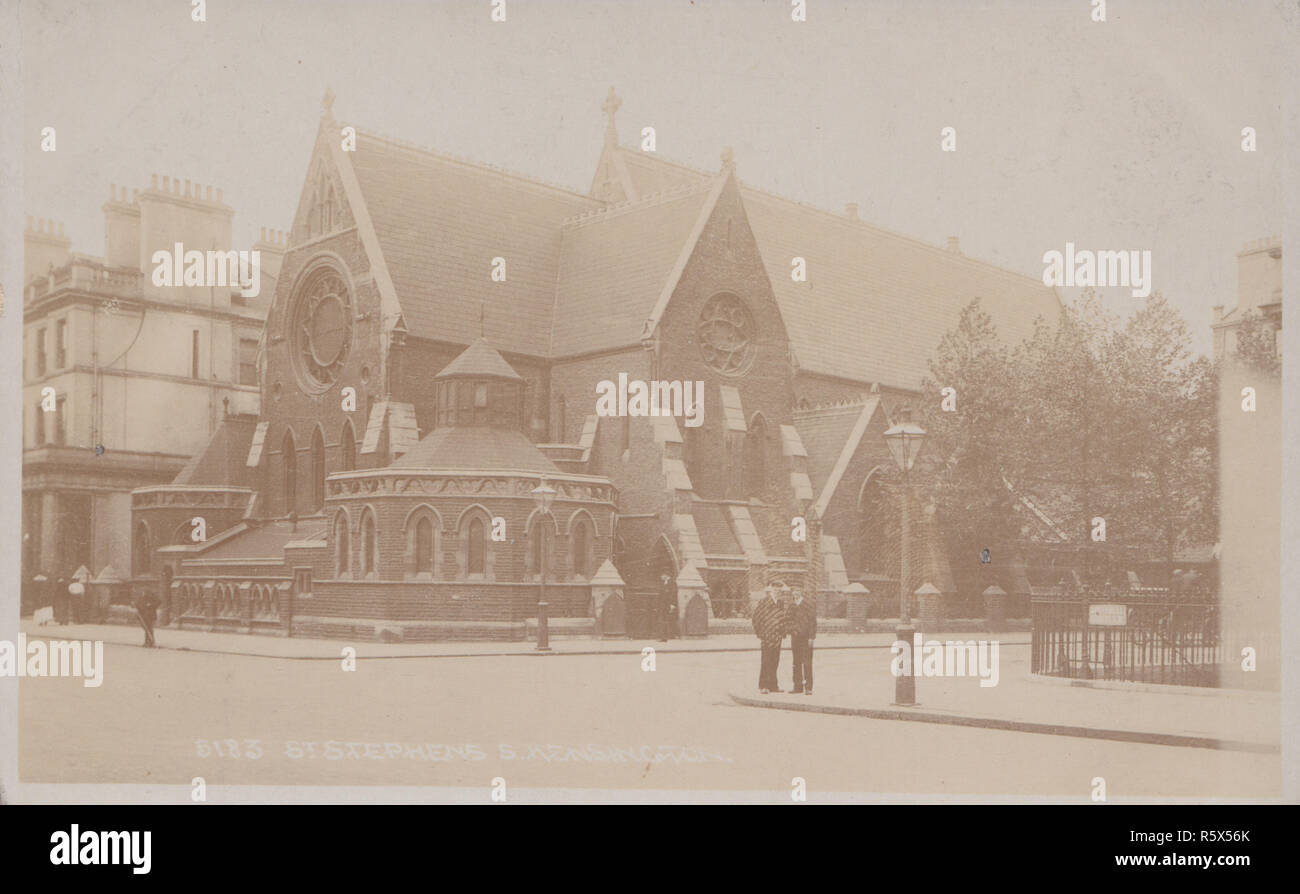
[(480, 359), (613, 266), (476, 447), (440, 221), (222, 460), (876, 303), (583, 277), (265, 541), (714, 525), (824, 431)]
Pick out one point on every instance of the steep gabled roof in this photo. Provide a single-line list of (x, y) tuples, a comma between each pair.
[(615, 265), (440, 222), (824, 431), (826, 426), (876, 303), (222, 459)]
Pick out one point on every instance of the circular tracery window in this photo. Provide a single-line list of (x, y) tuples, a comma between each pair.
[(321, 329), (726, 335)]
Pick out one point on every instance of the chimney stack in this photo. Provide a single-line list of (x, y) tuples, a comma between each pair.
[(121, 229), (44, 245), (272, 245)]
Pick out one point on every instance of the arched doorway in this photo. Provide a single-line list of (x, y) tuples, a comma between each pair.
[(648, 597)]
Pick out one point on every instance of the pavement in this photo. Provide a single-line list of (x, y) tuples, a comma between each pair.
[(1197, 717), (1235, 720), (268, 646)]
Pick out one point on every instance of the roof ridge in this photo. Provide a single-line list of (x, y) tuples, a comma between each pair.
[(654, 198), (656, 157), (857, 222), (842, 404), (666, 160), (407, 145)]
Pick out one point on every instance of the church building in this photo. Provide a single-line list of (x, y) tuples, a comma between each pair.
[(433, 356)]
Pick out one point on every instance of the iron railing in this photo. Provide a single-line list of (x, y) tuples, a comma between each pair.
[(1163, 638)]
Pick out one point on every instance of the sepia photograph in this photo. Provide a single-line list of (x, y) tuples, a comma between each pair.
[(714, 402)]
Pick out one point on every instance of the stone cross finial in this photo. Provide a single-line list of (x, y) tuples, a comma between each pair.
[(610, 107), (728, 159), (327, 103)]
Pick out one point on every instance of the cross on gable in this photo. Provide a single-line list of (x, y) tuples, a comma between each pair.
[(610, 108), (611, 104)]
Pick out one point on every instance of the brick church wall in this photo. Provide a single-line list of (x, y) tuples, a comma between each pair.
[(726, 259)]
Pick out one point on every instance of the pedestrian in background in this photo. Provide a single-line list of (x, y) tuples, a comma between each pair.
[(146, 607), (62, 599), (803, 630), (769, 621)]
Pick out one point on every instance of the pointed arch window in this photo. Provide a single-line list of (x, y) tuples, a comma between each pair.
[(424, 546), (422, 534), (342, 546), (143, 560), (477, 549), (369, 544), (348, 448), (582, 555), (289, 461), (317, 470)]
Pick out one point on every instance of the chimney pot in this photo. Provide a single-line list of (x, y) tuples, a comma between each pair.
[(219, 195), (851, 210), (952, 245), (1218, 312), (187, 189), (153, 181), (167, 183)]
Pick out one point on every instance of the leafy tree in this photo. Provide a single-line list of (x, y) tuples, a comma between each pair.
[(1088, 417), (1257, 344)]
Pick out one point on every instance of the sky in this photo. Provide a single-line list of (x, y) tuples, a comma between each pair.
[(1123, 134)]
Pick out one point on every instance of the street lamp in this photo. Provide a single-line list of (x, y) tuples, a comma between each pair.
[(543, 497), (904, 438)]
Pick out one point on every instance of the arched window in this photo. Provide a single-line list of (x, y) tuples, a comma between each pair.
[(342, 546), (143, 562), (424, 546), (880, 532), (369, 544), (289, 459), (347, 448), (317, 470), (475, 562), (582, 558), (422, 542), (755, 465)]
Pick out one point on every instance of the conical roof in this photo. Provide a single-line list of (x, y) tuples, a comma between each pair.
[(480, 360)]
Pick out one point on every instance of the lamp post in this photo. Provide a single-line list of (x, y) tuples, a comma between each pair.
[(543, 496), (904, 438)]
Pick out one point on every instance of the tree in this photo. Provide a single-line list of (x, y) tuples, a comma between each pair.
[(1257, 344), (1089, 418), (973, 447)]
